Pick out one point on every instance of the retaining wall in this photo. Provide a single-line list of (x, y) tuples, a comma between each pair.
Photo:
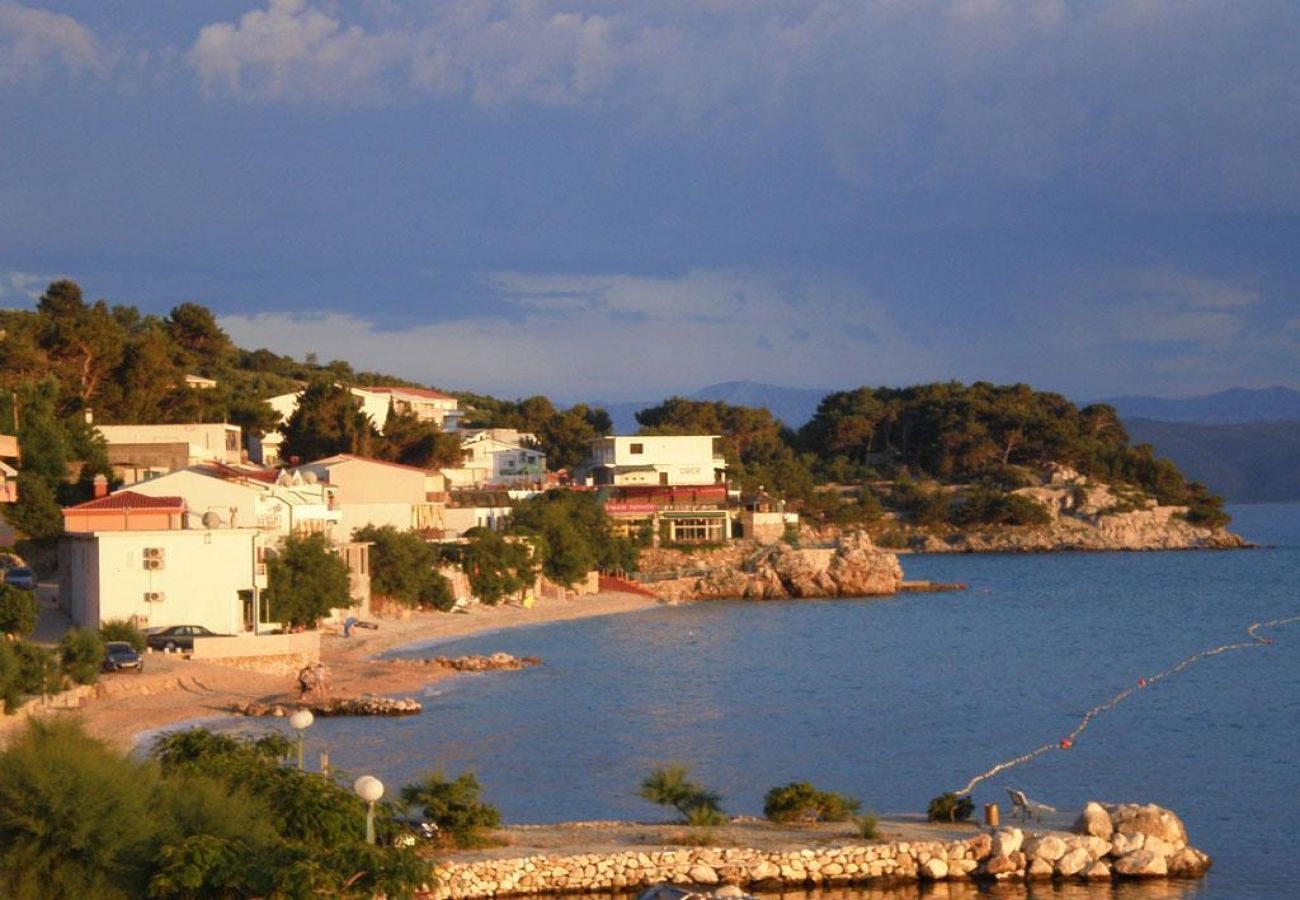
[(1138, 851)]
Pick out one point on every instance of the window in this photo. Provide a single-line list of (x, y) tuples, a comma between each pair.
[(636, 448)]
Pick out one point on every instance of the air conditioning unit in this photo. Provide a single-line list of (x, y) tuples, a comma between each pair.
[(155, 557), (154, 596)]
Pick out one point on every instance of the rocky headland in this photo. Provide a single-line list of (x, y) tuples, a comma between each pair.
[(1084, 516), (852, 567)]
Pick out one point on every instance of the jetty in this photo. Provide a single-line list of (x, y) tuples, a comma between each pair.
[(1105, 843)]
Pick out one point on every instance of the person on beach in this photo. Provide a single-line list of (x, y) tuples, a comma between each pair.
[(319, 673), (306, 681)]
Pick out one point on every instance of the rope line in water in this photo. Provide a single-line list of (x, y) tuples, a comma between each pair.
[(1065, 743)]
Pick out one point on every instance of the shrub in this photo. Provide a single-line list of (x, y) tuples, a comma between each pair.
[(317, 826), (800, 800), (123, 630), (81, 654), (869, 826), (18, 611), (454, 806), (948, 807), (669, 786), (76, 818)]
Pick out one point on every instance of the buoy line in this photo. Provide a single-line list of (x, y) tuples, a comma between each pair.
[(1065, 743)]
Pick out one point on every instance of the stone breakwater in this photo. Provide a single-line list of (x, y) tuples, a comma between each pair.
[(1107, 842), (365, 705)]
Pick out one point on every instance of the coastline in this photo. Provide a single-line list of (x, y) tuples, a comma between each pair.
[(123, 708)]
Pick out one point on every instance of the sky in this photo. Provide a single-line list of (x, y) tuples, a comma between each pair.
[(623, 201)]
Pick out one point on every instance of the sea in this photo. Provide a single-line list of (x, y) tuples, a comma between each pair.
[(894, 701)]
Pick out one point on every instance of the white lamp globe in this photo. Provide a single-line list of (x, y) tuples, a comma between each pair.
[(301, 719), (368, 788)]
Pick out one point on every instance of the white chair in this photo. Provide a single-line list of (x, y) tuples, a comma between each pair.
[(1027, 807)]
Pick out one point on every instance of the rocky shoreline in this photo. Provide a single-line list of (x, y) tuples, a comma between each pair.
[(1107, 842)]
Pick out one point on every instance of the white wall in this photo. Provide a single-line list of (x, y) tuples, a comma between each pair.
[(103, 577)]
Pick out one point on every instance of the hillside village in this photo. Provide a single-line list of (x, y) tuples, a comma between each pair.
[(164, 476), (187, 536)]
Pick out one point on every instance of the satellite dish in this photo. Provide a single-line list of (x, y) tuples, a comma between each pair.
[(211, 519), (309, 477)]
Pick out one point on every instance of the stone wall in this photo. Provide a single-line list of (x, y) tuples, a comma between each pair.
[(1139, 842)]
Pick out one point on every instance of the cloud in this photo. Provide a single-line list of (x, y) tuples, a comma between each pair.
[(1159, 329), (570, 338), (24, 285), (1166, 104), (34, 42), (290, 48)]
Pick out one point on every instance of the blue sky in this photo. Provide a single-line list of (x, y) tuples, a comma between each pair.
[(613, 201)]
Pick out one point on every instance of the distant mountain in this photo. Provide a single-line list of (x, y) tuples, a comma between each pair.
[(1233, 405), (793, 406), (1251, 462)]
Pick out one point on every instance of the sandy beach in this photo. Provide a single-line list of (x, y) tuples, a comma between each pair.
[(173, 689)]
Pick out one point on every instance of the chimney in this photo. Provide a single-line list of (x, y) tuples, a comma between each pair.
[(101, 486)]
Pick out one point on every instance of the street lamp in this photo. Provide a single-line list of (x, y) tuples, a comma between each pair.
[(369, 788), (300, 721)]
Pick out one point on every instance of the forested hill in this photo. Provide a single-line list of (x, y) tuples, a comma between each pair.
[(884, 448)]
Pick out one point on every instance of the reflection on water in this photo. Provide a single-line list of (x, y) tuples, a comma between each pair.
[(965, 890)]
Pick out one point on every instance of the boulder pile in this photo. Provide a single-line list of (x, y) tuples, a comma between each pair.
[(492, 663), (365, 705)]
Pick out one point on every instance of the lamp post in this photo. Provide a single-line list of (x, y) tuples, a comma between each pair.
[(300, 721), (369, 788)]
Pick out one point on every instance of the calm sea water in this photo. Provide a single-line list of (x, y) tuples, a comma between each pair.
[(894, 701)]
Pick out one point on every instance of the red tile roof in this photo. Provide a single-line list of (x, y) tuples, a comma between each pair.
[(415, 392), (130, 500)]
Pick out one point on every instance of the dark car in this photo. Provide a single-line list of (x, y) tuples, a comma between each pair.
[(119, 655), (177, 637), (21, 577)]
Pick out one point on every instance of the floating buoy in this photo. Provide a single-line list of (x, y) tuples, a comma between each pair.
[(1065, 743)]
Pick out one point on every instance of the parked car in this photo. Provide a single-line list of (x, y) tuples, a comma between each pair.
[(119, 655), (21, 577), (176, 637)]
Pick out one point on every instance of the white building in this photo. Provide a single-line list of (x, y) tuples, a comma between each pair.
[(663, 460), (498, 456), (138, 452), (374, 492), (282, 503), (192, 548)]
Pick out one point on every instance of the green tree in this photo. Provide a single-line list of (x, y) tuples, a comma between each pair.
[(123, 630), (497, 567), (18, 611), (566, 436), (574, 534), (327, 421), (80, 655), (403, 568), (454, 806), (76, 819), (671, 786), (305, 580), (412, 442), (194, 329), (799, 800), (84, 343)]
